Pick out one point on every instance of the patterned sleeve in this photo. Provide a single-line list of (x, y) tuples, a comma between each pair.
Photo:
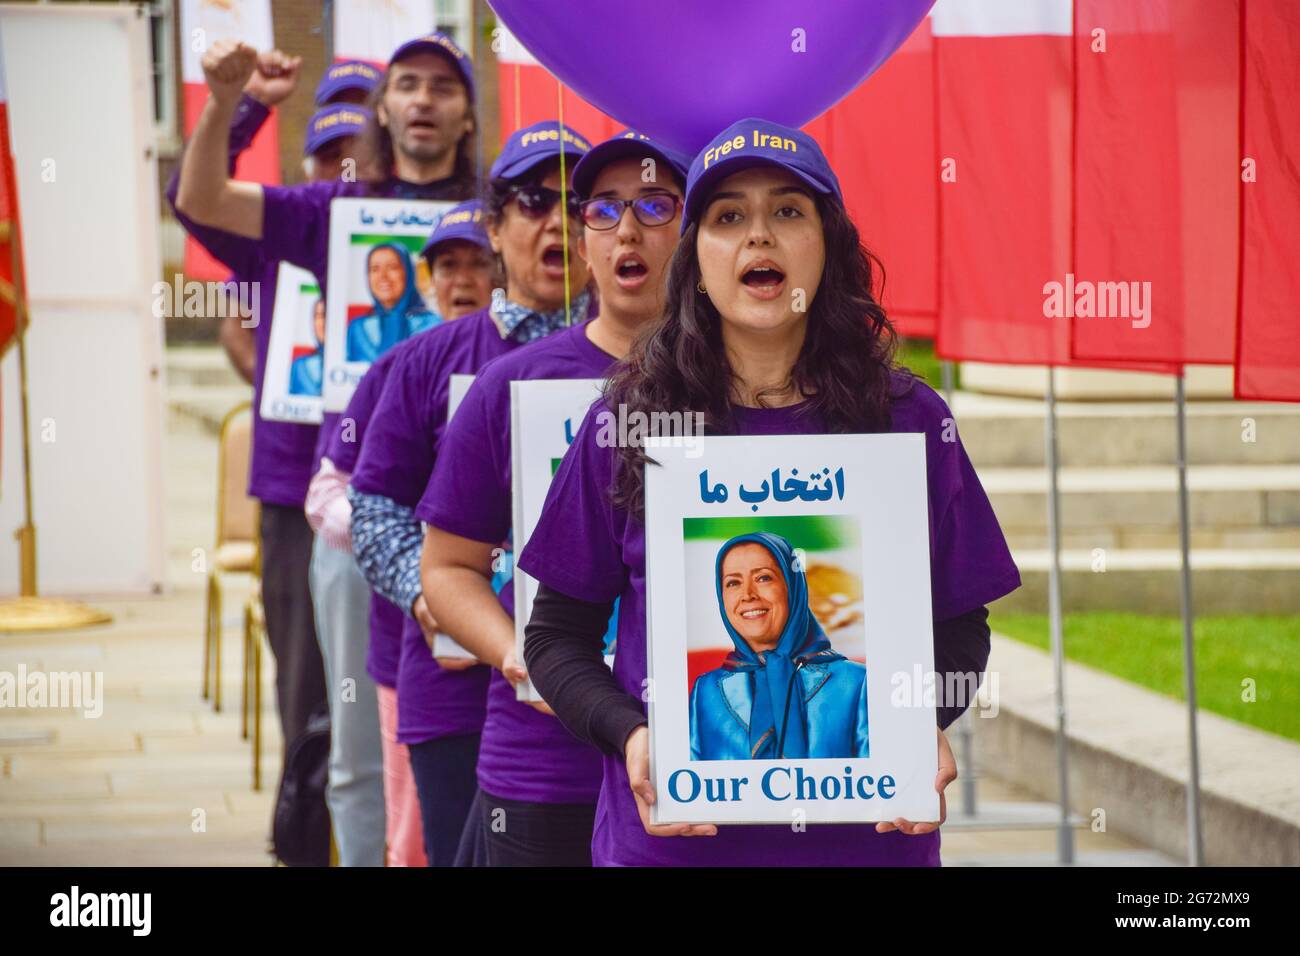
[(386, 540)]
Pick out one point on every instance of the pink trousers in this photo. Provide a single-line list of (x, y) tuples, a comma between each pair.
[(401, 805)]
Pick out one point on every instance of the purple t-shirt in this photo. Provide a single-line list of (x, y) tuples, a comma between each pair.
[(524, 754), (398, 453), (342, 448), (281, 462), (585, 547)]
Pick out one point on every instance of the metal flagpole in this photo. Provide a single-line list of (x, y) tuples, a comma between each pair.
[(1195, 850), (965, 738), (1064, 834)]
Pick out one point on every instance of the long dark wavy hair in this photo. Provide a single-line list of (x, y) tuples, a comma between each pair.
[(375, 160), (845, 368)]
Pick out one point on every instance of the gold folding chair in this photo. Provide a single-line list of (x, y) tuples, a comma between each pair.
[(236, 546)]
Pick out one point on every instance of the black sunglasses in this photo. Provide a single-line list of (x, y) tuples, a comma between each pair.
[(656, 209), (536, 202)]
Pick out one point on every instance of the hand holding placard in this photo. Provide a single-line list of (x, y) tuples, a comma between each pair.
[(636, 752), (947, 774)]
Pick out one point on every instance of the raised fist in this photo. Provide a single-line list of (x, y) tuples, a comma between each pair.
[(227, 65), (275, 77)]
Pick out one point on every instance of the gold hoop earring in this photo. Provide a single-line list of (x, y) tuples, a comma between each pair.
[(699, 287)]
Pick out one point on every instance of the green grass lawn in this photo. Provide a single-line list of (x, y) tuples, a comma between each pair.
[(918, 355), (1148, 650)]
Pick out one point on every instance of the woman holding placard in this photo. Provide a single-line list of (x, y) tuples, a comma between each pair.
[(458, 237), (441, 703), (771, 327), (532, 772)]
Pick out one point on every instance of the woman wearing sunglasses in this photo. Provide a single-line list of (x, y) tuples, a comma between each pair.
[(441, 703), (532, 772), (762, 223)]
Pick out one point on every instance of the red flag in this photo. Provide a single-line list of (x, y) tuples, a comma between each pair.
[(9, 225), (1004, 94), (1268, 331), (1155, 177), (880, 140)]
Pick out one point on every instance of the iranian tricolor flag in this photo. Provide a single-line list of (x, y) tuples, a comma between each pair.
[(203, 22)]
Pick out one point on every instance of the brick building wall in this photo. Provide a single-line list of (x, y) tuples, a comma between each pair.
[(299, 31)]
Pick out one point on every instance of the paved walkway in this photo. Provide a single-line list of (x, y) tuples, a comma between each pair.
[(133, 785)]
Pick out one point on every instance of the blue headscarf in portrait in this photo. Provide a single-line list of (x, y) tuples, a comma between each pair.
[(394, 323), (777, 703)]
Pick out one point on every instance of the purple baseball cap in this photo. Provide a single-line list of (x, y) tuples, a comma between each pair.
[(535, 144), (442, 44), (347, 75), (334, 122), (620, 146), (756, 142), (463, 222)]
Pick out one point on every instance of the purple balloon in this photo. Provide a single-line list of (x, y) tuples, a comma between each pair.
[(681, 71)]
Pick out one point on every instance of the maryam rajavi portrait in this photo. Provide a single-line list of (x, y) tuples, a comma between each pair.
[(782, 690), (397, 308), (306, 369)]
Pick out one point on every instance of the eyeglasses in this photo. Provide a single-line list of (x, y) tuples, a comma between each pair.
[(656, 209), (536, 202)]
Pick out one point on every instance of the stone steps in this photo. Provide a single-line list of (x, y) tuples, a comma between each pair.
[(1224, 581), (1128, 757), (1137, 506), (1008, 432), (1119, 500)]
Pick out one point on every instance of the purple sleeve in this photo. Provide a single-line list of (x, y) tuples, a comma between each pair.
[(469, 491), (397, 452), (575, 547), (970, 563), (344, 445), (241, 254), (296, 222)]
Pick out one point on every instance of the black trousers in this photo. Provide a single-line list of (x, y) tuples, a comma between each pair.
[(517, 833), (290, 624), (445, 781)]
